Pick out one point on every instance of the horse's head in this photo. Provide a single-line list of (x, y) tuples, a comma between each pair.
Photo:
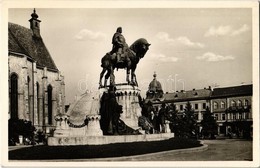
[(140, 47)]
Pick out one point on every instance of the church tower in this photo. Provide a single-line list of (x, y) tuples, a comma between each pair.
[(35, 24)]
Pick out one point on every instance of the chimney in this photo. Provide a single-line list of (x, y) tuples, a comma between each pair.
[(35, 24)]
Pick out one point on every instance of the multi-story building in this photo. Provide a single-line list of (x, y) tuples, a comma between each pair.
[(231, 106), (36, 86), (232, 109)]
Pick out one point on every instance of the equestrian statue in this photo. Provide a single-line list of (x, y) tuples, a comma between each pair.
[(122, 57)]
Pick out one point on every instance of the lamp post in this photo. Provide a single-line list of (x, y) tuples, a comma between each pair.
[(170, 80), (175, 80), (183, 83)]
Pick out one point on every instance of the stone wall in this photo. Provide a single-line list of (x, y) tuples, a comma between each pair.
[(33, 106)]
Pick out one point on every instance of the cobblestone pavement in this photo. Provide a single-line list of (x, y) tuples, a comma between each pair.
[(218, 150)]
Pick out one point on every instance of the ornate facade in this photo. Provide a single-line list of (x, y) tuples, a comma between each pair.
[(36, 86)]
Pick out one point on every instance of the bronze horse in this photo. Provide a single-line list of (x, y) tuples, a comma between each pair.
[(132, 56)]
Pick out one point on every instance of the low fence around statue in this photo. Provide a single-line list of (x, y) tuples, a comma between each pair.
[(101, 140)]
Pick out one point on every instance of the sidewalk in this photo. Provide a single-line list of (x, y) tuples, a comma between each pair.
[(11, 148)]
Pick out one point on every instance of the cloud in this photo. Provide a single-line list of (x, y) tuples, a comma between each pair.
[(163, 58), (86, 34), (243, 29), (211, 57), (182, 40), (226, 31)]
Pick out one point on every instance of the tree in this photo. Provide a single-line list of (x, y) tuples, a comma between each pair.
[(175, 122), (209, 124), (189, 123)]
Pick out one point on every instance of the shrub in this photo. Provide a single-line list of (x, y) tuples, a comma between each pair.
[(18, 127)]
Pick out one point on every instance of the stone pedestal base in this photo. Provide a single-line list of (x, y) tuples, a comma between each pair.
[(101, 140), (62, 128), (93, 128), (127, 96)]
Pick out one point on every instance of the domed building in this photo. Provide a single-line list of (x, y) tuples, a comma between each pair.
[(155, 90)]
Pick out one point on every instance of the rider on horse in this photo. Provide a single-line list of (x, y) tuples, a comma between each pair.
[(119, 45)]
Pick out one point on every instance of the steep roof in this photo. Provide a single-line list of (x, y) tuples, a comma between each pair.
[(22, 41), (233, 91), (188, 95)]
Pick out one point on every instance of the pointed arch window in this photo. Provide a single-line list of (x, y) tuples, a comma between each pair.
[(14, 96), (28, 87), (38, 100), (49, 90)]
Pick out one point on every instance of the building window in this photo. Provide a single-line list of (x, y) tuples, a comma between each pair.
[(222, 105), (14, 96), (234, 116), (239, 103), (216, 116), (246, 102), (223, 116), (246, 116), (240, 116), (29, 99), (196, 106), (38, 100), (215, 105), (181, 107), (233, 103), (204, 105), (49, 104)]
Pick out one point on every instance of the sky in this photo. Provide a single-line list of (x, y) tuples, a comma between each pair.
[(190, 47)]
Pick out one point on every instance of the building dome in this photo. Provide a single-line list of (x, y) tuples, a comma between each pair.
[(155, 89), (155, 85)]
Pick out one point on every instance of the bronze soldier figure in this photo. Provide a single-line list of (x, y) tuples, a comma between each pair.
[(119, 44)]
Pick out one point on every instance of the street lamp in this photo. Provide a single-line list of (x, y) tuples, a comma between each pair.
[(175, 80), (170, 80)]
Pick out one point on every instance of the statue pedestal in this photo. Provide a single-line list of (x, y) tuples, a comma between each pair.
[(127, 96), (93, 128), (62, 128), (167, 127)]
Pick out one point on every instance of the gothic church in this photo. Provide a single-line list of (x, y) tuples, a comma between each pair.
[(36, 86)]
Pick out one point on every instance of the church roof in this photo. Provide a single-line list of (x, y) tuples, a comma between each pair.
[(22, 41)]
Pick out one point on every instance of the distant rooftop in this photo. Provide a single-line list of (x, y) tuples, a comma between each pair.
[(188, 95), (233, 91)]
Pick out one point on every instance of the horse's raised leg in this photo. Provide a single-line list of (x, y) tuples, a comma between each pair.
[(101, 76)]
